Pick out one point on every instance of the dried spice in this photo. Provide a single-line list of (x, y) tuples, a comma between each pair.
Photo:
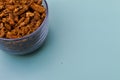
[(19, 18)]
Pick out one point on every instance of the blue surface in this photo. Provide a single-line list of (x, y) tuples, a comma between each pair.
[(83, 44)]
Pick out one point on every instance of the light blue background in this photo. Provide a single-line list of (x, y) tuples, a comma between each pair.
[(83, 44)]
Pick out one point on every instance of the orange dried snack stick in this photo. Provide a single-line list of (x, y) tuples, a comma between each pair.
[(13, 1), (15, 31), (17, 2), (36, 15), (10, 1), (7, 11), (23, 15), (32, 23), (33, 19), (20, 21), (7, 26), (4, 20), (17, 8), (1, 7), (26, 21), (23, 31), (28, 2), (10, 35), (16, 19), (26, 30), (10, 7), (39, 2), (11, 21), (1, 15), (23, 1), (18, 31), (2, 32), (43, 16), (4, 13), (37, 7), (1, 0), (37, 24), (1, 25), (29, 14), (2, 4), (29, 30), (25, 8)]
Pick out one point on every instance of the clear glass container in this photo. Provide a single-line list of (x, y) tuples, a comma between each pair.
[(29, 43)]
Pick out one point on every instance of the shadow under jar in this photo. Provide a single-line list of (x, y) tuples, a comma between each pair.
[(28, 43)]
